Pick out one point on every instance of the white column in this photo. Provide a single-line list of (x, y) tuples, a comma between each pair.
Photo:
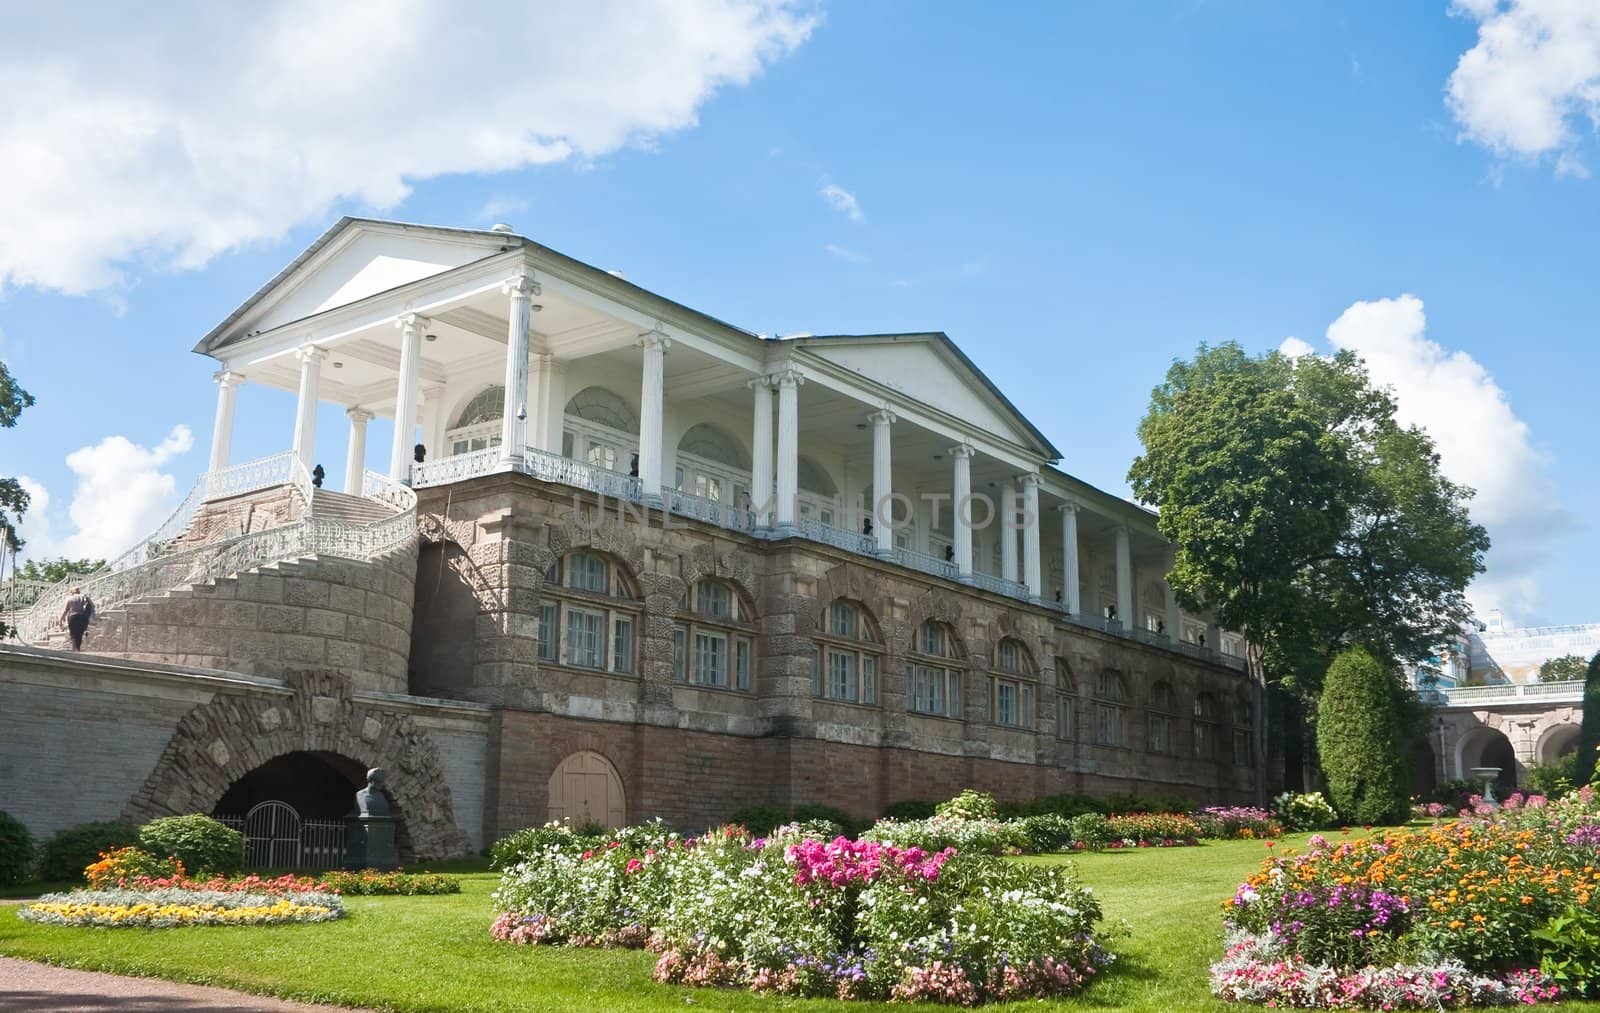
[(651, 408), (405, 395), (228, 383), (428, 421), (789, 382), (1214, 636), (881, 509), (305, 420), (761, 452), (547, 381), (1070, 597), (1008, 530), (355, 457), (1174, 616), (1032, 570), (1124, 580), (960, 524), (514, 415)]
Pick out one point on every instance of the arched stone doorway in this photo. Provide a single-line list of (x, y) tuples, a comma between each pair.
[(319, 785), (1489, 747), (1562, 740), (586, 788), (1423, 768), (243, 737)]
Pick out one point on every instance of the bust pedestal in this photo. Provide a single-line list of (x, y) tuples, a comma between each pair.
[(369, 843)]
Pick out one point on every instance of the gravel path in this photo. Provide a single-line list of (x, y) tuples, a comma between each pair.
[(28, 987)]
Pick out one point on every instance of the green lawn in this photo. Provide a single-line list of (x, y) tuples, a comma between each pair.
[(434, 953)]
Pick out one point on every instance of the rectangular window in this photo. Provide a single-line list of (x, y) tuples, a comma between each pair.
[(1241, 748), (710, 659), (842, 620), (587, 573), (1064, 717), (1005, 703), (1204, 742), (1109, 730), (679, 638), (1010, 658), (841, 676), (549, 642), (1156, 737), (622, 645), (741, 664), (869, 679), (927, 689), (932, 640), (585, 638), (713, 600)]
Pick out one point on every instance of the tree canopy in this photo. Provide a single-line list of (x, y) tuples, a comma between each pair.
[(1303, 513), (13, 497), (54, 571), (1567, 668)]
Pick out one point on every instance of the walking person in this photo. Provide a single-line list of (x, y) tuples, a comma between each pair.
[(77, 612)]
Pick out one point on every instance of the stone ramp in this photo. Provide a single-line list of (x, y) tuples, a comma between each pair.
[(28, 987)]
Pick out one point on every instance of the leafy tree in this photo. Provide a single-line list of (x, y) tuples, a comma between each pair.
[(13, 498), (54, 571), (1567, 668), (1360, 740), (1303, 513), (1589, 731)]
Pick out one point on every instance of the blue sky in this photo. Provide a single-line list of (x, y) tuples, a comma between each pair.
[(1076, 193)]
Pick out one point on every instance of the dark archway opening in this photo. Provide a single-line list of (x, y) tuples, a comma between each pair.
[(318, 785), (1495, 751), (1424, 772), (443, 622)]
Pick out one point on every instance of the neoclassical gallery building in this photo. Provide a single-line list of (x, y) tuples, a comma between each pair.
[(622, 560)]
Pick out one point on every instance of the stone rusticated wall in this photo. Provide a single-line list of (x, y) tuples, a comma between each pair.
[(86, 738), (694, 754), (320, 611)]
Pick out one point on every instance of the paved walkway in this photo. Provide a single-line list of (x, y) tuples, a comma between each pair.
[(28, 987)]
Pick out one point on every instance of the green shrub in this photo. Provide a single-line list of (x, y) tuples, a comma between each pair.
[(16, 850), (1589, 732), (760, 819), (1047, 832), (847, 824), (1359, 740), (911, 809), (1067, 805), (524, 844), (1554, 779), (201, 843), (1090, 830), (70, 851), (1569, 950), (971, 804), (372, 883), (1454, 793), (1133, 803)]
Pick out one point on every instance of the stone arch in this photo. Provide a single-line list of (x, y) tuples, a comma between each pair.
[(940, 607), (733, 567), (710, 442), (586, 786), (220, 742), (1557, 741), (1488, 746), (1422, 767)]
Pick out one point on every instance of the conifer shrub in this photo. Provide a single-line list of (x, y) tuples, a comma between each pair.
[(1360, 741), (16, 850), (1589, 734)]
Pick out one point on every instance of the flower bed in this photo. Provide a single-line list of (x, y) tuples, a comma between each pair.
[(795, 914), (169, 907), (1455, 914)]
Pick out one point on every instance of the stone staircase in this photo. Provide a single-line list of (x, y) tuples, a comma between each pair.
[(340, 506)]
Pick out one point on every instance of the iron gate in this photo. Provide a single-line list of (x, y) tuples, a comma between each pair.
[(277, 838)]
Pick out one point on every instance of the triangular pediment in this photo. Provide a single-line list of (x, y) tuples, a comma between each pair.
[(355, 259), (928, 368)]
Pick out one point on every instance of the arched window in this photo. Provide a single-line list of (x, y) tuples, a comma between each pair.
[(1011, 686), (588, 614), (1243, 729), (713, 466), (478, 425), (1205, 726), (601, 430), (934, 684), (714, 645), (1111, 712), (818, 495), (1066, 701), (849, 653), (1159, 719)]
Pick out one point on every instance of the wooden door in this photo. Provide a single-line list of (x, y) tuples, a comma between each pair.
[(584, 787)]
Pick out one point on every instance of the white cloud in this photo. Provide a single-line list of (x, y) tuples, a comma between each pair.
[(1534, 71), (843, 201), (1481, 441), (1294, 347), (495, 209), (35, 524), (162, 135), (845, 254), (122, 495)]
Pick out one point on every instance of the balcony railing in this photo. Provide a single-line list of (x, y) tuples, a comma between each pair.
[(1510, 693), (614, 485)]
